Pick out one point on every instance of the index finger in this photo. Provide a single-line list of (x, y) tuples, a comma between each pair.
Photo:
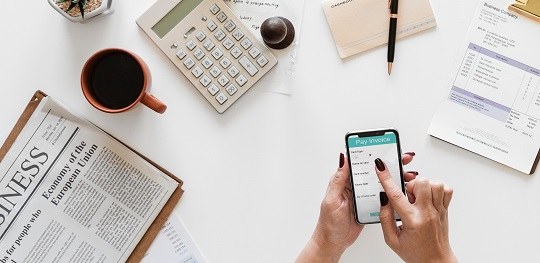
[(394, 193)]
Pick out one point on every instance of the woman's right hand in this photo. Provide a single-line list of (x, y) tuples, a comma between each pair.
[(423, 234)]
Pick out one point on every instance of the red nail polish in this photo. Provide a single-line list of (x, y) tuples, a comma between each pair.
[(411, 153), (380, 165), (341, 160), (383, 198)]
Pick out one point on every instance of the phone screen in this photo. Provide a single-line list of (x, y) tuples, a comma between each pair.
[(363, 148)]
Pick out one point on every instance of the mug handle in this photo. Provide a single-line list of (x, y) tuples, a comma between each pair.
[(153, 103)]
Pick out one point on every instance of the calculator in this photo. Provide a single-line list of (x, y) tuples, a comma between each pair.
[(221, 57)]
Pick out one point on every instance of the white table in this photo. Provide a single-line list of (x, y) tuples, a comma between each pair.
[(255, 176)]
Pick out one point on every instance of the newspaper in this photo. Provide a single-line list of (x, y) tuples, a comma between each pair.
[(71, 193)]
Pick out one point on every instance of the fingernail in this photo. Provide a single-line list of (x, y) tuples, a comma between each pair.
[(411, 153), (380, 165), (341, 160), (413, 172), (384, 198)]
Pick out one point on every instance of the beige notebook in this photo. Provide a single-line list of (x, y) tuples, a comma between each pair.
[(359, 25)]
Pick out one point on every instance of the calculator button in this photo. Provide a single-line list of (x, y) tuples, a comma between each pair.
[(238, 34), (230, 26), (222, 17), (199, 54), (213, 89), (205, 81), (248, 66), (262, 61), (220, 35), (254, 52), (214, 9), (236, 52), (189, 63), (233, 71), (207, 62), (225, 62), (211, 26), (200, 36), (217, 53), (191, 45), (221, 98), (231, 89), (223, 80), (197, 72), (228, 43), (209, 44), (246, 43), (241, 80), (215, 71), (181, 54)]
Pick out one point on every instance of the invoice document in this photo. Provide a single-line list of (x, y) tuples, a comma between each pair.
[(493, 107), (174, 244)]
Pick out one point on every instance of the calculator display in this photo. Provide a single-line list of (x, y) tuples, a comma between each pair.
[(177, 14)]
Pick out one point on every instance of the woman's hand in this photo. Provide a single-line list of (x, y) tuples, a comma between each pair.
[(337, 229), (423, 235)]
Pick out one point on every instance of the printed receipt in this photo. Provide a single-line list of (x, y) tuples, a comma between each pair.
[(173, 244), (493, 107), (252, 14)]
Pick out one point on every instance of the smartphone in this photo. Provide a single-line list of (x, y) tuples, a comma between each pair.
[(363, 147)]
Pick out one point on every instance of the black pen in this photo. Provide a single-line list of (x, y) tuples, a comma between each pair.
[(393, 5)]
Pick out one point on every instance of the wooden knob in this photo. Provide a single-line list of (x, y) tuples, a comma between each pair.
[(277, 32)]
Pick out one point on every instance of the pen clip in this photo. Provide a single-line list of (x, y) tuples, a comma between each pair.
[(389, 4)]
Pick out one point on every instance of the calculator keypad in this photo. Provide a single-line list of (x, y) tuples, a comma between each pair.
[(236, 52), (181, 54), (238, 34), (222, 55), (228, 43), (207, 62), (197, 72), (200, 36), (199, 54), (213, 89), (225, 63), (189, 63), (222, 17), (248, 66), (233, 71), (221, 98), (230, 26), (209, 45), (217, 53), (211, 26), (220, 35), (254, 52), (246, 43), (191, 45), (214, 9)]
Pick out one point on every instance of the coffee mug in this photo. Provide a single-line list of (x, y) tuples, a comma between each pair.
[(115, 80)]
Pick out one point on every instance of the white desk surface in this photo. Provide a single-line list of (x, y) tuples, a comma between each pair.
[(255, 176)]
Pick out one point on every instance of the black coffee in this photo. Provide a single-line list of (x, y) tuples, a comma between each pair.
[(117, 80)]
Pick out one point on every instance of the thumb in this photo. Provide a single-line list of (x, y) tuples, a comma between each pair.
[(388, 221)]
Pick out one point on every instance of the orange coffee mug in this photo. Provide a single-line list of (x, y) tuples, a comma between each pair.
[(114, 80)]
